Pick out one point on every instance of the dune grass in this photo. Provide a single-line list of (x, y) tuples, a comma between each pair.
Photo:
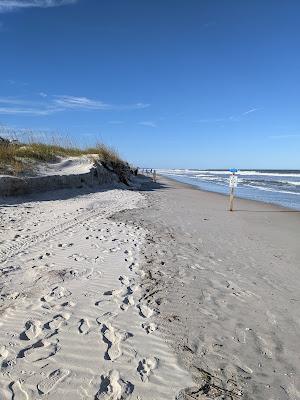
[(18, 158)]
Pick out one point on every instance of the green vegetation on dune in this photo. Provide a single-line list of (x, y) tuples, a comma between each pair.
[(20, 158)]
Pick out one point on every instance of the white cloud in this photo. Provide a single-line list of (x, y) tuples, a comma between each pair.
[(250, 111), (84, 103), (150, 124), (16, 106), (27, 111), (81, 103), (53, 104), (10, 5)]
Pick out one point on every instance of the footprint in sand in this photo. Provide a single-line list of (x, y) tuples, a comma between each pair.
[(127, 302), (3, 353), (56, 293), (149, 328), (123, 296), (124, 280), (42, 350), (84, 326), (58, 307), (113, 387), (18, 393), (46, 385), (114, 292), (42, 256), (145, 311), (113, 338), (57, 321), (107, 316), (33, 329), (146, 366)]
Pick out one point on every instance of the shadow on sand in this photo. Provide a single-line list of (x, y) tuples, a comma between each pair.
[(139, 183)]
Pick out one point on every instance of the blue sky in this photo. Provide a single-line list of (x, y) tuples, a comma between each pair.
[(189, 83)]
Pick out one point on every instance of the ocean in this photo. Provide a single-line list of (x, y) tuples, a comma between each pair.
[(280, 187)]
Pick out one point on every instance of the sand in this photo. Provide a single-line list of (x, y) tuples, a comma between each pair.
[(157, 293), (226, 289), (68, 166), (73, 324)]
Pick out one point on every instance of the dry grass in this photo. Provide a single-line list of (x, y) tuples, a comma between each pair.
[(18, 158), (105, 153)]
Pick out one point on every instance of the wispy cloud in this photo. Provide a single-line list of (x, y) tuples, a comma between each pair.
[(80, 103), (250, 111), (285, 136), (231, 118), (11, 5), (84, 103), (16, 106), (27, 111), (52, 104), (150, 124)]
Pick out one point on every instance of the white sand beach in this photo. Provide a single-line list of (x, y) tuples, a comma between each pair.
[(150, 294), (72, 323), (226, 286), (149, 200)]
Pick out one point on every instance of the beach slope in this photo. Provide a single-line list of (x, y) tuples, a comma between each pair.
[(225, 286)]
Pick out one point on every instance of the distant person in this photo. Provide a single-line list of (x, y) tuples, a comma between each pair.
[(136, 171), (154, 176)]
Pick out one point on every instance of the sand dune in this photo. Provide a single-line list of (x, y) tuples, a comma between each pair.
[(68, 166)]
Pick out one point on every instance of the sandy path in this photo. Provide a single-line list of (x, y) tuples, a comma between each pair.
[(73, 324), (227, 289)]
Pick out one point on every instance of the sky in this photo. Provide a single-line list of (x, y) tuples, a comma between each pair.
[(169, 83)]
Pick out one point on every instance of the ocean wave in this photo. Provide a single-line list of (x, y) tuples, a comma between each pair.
[(252, 173), (269, 189), (278, 187), (292, 183)]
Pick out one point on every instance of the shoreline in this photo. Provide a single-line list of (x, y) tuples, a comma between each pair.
[(227, 195)]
